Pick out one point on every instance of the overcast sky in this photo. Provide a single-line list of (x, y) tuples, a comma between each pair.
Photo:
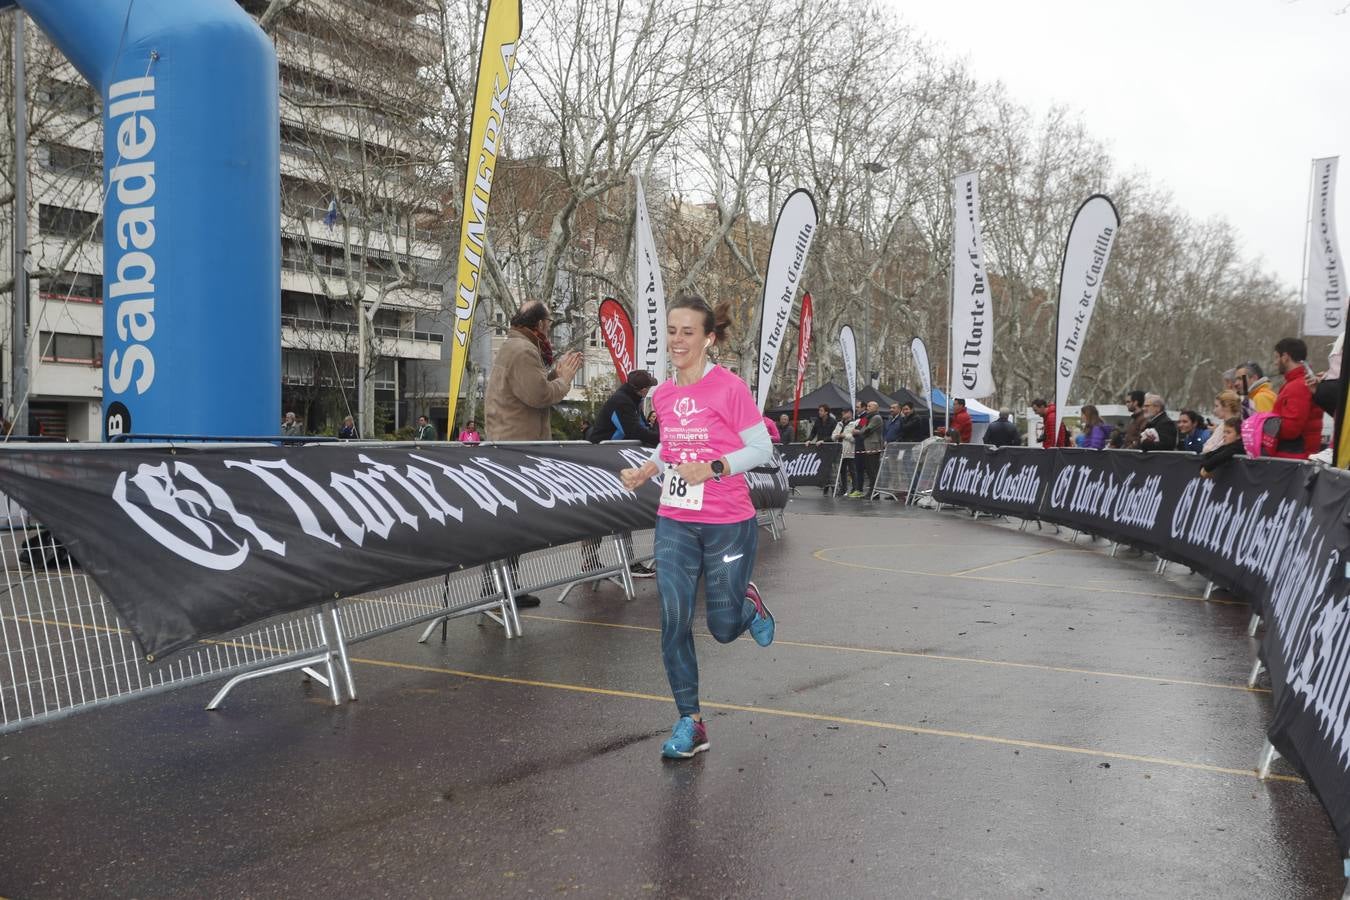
[(1223, 103)]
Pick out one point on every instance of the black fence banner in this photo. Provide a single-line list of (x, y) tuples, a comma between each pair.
[(1306, 647), (1276, 533), (193, 541), (811, 465), (1003, 480)]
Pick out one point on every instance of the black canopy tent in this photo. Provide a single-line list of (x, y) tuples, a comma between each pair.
[(829, 393), (836, 398), (903, 395)]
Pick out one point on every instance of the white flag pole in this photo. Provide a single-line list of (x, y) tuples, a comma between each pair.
[(1307, 236), (951, 326)]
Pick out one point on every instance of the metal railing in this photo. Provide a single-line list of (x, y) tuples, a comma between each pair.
[(899, 459), (931, 453), (404, 334)]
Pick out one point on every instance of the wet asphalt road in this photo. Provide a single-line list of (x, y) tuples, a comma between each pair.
[(952, 708)]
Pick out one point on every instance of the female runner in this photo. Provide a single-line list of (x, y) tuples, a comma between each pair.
[(711, 434)]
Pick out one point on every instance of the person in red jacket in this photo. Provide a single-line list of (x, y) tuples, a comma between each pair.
[(1046, 411), (961, 422), (1300, 419)]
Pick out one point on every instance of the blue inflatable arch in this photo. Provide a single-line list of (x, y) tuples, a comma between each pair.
[(191, 236)]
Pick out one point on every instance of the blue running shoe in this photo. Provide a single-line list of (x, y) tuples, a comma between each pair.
[(761, 627), (686, 738)]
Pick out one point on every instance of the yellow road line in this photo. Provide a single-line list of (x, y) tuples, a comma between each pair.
[(1004, 562), (1023, 581), (838, 720), (940, 657)]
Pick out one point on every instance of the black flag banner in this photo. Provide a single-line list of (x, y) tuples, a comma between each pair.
[(1276, 533), (193, 541), (810, 465)]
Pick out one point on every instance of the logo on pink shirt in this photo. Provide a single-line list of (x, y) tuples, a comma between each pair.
[(686, 409)]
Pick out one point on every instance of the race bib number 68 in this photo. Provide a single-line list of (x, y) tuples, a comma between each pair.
[(677, 492)]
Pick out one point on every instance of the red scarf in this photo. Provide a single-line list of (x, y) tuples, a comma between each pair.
[(545, 348)]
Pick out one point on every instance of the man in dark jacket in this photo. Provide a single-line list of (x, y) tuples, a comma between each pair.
[(620, 418), (822, 426), (1002, 433), (917, 426), (895, 425), (1159, 431)]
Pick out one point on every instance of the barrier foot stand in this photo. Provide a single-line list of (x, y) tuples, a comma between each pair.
[(1074, 539), (1160, 567), (323, 657), (340, 639), (501, 577), (1209, 589), (1257, 668), (1268, 756), (1115, 545), (1254, 624)]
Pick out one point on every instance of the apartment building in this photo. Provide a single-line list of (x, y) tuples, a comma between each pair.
[(358, 221)]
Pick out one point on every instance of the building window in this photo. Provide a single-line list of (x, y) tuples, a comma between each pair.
[(79, 349), (80, 287), (74, 161), (71, 223), (77, 99)]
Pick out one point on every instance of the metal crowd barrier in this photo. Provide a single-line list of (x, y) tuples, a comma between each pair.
[(898, 462), (926, 468), (64, 650)]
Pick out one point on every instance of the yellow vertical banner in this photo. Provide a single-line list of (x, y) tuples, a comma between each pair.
[(496, 60)]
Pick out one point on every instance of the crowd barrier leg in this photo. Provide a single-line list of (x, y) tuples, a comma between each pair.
[(624, 544), (1209, 589), (1115, 545), (1268, 756), (506, 616), (305, 663), (340, 638), (1252, 625), (1257, 668)]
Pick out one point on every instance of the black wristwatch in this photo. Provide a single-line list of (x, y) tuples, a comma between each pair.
[(718, 469)]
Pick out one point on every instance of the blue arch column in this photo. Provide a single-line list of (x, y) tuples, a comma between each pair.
[(191, 234)]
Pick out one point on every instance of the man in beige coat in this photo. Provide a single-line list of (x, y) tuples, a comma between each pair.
[(521, 390)]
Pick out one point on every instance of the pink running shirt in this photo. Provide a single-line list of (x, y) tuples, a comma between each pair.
[(702, 422)]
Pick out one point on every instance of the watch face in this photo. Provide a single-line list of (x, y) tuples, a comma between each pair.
[(717, 467)]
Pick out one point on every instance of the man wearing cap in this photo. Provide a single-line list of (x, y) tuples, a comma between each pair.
[(620, 418)]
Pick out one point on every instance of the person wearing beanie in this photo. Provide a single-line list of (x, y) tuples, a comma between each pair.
[(620, 419)]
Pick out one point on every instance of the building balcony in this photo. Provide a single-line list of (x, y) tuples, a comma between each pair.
[(81, 380), (302, 276), (342, 337)]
